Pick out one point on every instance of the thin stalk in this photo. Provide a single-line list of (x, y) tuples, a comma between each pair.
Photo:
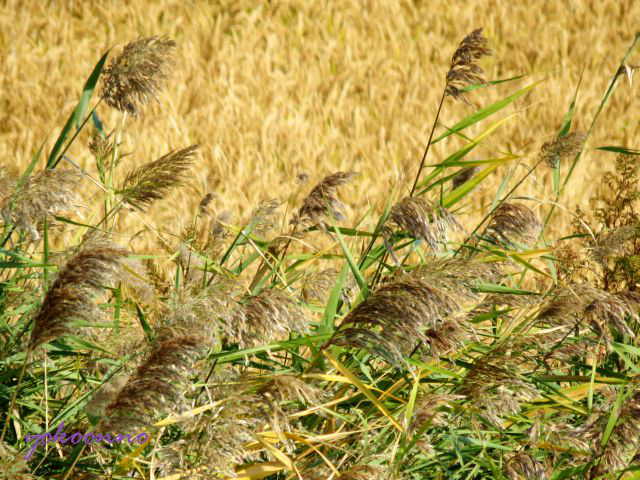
[(12, 404), (76, 133), (426, 150)]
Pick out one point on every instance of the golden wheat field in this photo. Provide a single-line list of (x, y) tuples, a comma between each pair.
[(274, 89)]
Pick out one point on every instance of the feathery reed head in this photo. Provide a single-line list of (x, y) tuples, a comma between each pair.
[(264, 217), (138, 73), (464, 70), (96, 264), (323, 197), (562, 148), (513, 222), (463, 176), (150, 182), (41, 195), (524, 465), (157, 387), (318, 286), (270, 315), (423, 220)]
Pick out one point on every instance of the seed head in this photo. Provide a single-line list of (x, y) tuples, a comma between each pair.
[(513, 222), (562, 148), (138, 73), (464, 70), (157, 387), (42, 195), (150, 182), (463, 176), (422, 220), (270, 315), (323, 197), (95, 265)]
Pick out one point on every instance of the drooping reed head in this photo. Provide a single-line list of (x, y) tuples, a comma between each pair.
[(513, 222), (156, 388), (138, 73), (272, 314), (524, 465), (42, 195), (422, 220), (464, 70), (322, 200), (151, 181), (463, 176), (94, 266), (562, 148)]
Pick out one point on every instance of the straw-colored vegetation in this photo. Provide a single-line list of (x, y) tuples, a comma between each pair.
[(347, 242)]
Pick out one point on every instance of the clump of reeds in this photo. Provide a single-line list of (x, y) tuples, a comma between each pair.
[(151, 181), (138, 73), (322, 201), (562, 148), (157, 387), (464, 70), (40, 197), (93, 267)]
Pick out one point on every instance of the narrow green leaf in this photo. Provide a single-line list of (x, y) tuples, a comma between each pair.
[(486, 112), (77, 116)]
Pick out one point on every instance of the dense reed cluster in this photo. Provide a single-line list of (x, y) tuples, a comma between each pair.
[(409, 344)]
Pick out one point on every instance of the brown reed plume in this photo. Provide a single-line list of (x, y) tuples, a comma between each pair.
[(512, 223), (272, 314), (562, 148), (412, 309), (156, 388), (94, 265), (583, 305), (318, 286), (422, 220), (138, 73), (523, 465), (151, 181), (321, 199), (463, 176), (38, 197), (463, 72)]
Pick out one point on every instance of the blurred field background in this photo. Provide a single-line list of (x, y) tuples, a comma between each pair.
[(271, 90)]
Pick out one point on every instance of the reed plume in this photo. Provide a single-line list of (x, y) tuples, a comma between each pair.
[(138, 73), (582, 305), (318, 286), (464, 70), (156, 388), (270, 315), (463, 176), (511, 223), (566, 147), (38, 197), (412, 308), (422, 220), (322, 200), (94, 266), (524, 465), (151, 181)]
